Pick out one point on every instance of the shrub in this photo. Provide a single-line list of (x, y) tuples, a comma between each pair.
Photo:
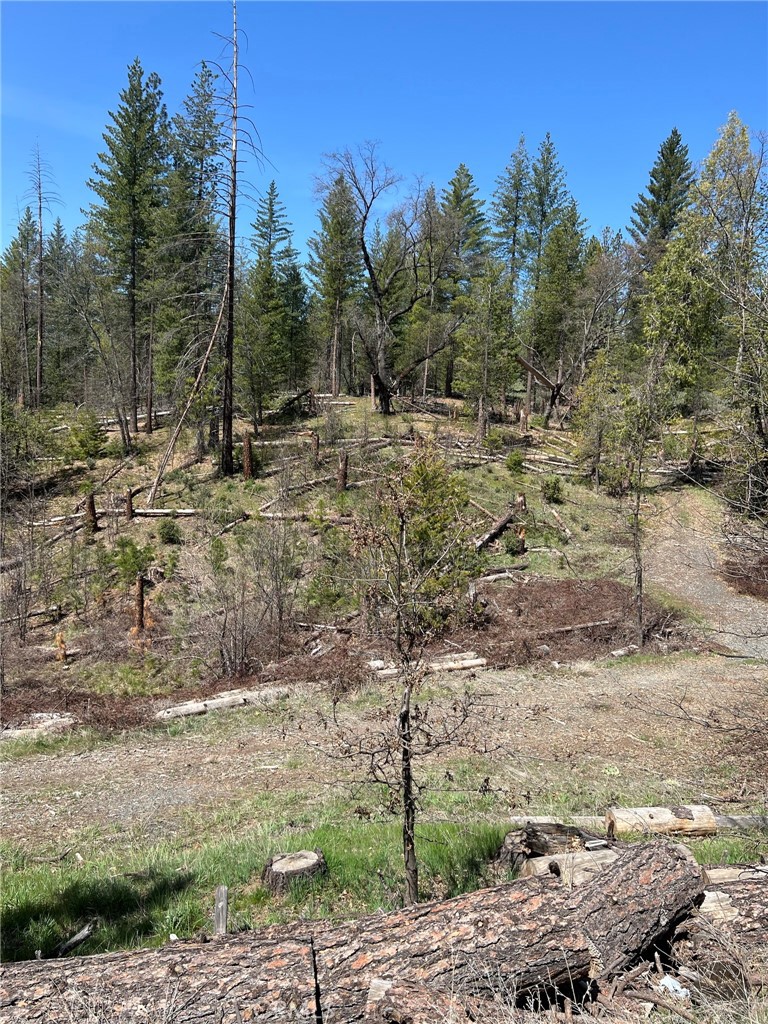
[(169, 532), (515, 461), (514, 544), (87, 437), (130, 559), (552, 490)]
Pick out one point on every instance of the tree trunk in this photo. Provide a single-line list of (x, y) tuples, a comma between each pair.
[(247, 458), (343, 472), (409, 800), (139, 609), (496, 530), (91, 519), (695, 820), (226, 459), (510, 941), (129, 505), (285, 868)]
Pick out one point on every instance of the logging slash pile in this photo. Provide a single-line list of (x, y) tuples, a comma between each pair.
[(581, 934)]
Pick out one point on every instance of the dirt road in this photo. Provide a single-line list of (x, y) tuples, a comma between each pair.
[(683, 553)]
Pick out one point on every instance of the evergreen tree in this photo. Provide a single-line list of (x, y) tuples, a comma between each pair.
[(469, 227), (485, 367), (65, 354), (729, 224), (336, 269), (272, 230), (187, 265), (545, 201), (17, 288), (509, 213), (272, 340), (556, 334), (129, 184), (657, 213)]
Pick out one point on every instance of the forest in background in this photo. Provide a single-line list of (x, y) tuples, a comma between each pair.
[(408, 291)]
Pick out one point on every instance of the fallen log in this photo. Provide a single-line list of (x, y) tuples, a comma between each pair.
[(693, 820), (727, 939), (573, 868), (509, 942), (496, 530)]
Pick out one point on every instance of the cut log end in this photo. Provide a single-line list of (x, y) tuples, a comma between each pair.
[(280, 871)]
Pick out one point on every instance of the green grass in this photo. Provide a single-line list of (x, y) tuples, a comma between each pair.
[(141, 898)]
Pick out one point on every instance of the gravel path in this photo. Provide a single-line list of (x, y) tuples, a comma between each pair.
[(683, 559)]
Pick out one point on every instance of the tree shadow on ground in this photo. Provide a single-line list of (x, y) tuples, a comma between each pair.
[(125, 908)]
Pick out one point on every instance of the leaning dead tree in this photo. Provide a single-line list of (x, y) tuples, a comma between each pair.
[(529, 938)]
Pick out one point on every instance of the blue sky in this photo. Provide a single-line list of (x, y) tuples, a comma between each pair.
[(435, 83)]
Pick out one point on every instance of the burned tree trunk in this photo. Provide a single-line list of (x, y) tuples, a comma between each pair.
[(247, 458), (91, 519), (139, 604), (518, 939)]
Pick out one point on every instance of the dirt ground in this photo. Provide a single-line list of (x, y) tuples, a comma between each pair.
[(562, 722)]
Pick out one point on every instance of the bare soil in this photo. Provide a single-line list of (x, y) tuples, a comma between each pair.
[(563, 723)]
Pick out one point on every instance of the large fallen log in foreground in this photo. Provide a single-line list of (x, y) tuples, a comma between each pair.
[(503, 942)]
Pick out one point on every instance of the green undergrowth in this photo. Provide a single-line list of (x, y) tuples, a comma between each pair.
[(141, 898)]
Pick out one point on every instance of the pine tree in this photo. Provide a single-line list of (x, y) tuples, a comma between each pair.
[(659, 210), (17, 288), (187, 265), (336, 269), (729, 223), (509, 213), (556, 333), (129, 182), (487, 350), (65, 353), (272, 337), (469, 227), (545, 202)]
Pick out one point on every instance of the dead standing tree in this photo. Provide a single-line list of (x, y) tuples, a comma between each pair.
[(402, 267)]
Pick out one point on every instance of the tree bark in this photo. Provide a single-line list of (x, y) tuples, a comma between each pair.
[(285, 868), (695, 820), (247, 458), (512, 939), (91, 519)]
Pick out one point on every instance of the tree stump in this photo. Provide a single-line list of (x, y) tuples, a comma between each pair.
[(247, 458), (284, 868), (341, 475), (91, 519), (129, 505)]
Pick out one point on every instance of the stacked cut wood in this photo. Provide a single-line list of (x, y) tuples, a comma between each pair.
[(516, 943)]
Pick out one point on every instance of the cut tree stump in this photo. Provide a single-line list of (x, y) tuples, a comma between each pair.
[(692, 820), (285, 868), (508, 942)]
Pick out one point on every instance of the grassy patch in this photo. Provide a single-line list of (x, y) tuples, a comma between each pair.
[(139, 899)]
